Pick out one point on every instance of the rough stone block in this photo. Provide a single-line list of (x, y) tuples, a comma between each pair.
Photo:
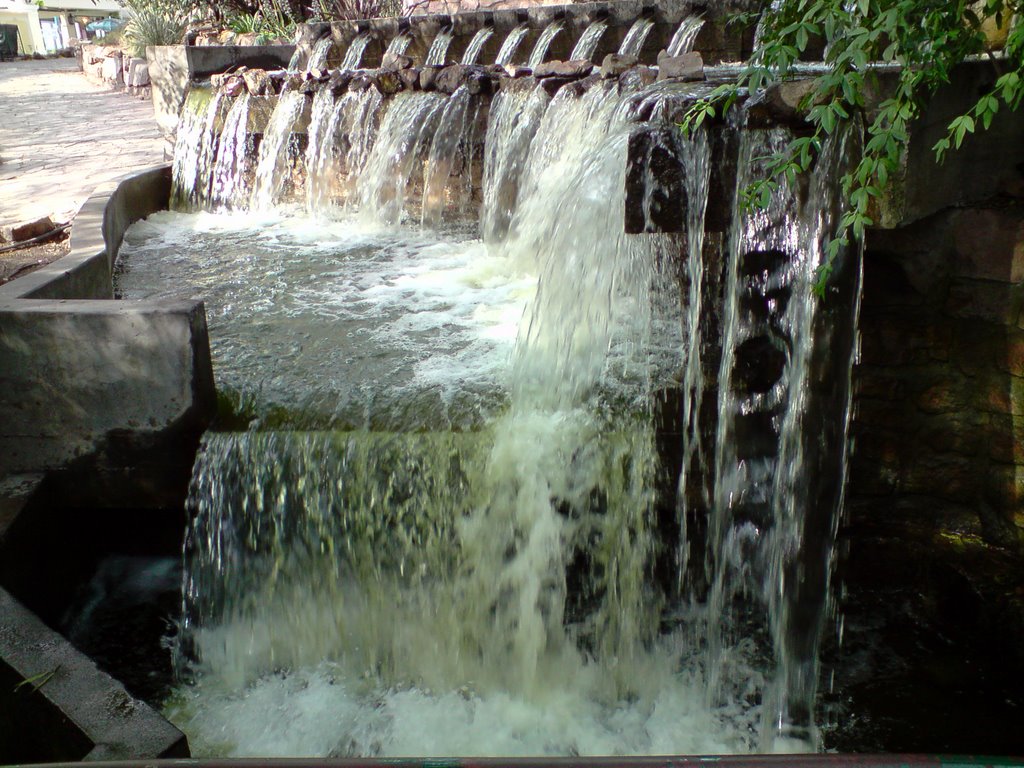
[(990, 244), (16, 233), (138, 73), (688, 67)]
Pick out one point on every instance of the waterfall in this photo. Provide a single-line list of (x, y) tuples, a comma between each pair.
[(438, 52), (513, 120), (354, 55), (448, 180), (277, 150), (685, 36), (195, 150), (511, 45), (587, 44), (405, 135), (320, 148), (336, 154), (774, 519), (635, 38), (232, 166), (320, 53), (295, 62), (399, 44), (532, 556), (540, 49), (476, 45)]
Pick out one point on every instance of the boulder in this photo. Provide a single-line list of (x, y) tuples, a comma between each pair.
[(428, 78), (688, 67), (138, 73), (257, 82), (637, 78), (389, 83), (564, 69), (393, 62), (410, 78), (234, 86), (362, 81), (452, 77), (615, 65), (338, 81), (17, 233)]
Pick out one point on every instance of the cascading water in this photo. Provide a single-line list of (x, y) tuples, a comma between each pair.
[(320, 53), (587, 44), (399, 44), (476, 45), (195, 151), (511, 45), (448, 180), (277, 150), (438, 52), (635, 38), (405, 136), (540, 48), (335, 155), (514, 118), (774, 521), (442, 531), (231, 169), (354, 55), (685, 36)]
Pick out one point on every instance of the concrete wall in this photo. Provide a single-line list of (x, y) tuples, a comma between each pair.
[(55, 705), (173, 67), (81, 374)]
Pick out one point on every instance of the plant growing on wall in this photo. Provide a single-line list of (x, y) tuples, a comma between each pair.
[(927, 39)]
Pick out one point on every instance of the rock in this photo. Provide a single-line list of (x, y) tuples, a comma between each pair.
[(362, 82), (688, 67), (393, 62), (428, 78), (111, 71), (480, 83), (452, 77), (389, 83), (410, 78), (18, 233), (138, 73), (781, 103), (293, 81), (257, 82), (234, 87), (554, 84), (338, 81), (518, 71), (638, 78), (563, 69), (615, 65)]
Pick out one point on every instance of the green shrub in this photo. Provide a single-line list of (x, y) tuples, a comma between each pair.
[(151, 27)]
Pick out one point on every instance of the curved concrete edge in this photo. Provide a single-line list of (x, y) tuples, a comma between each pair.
[(60, 706), (85, 272), (79, 370), (106, 401)]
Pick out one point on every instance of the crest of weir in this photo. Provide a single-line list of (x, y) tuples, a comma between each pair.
[(545, 540)]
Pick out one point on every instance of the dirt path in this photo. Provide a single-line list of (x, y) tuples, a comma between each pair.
[(61, 136)]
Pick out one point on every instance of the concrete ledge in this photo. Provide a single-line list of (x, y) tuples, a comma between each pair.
[(77, 373), (56, 705)]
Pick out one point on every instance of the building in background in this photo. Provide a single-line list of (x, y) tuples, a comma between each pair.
[(46, 26)]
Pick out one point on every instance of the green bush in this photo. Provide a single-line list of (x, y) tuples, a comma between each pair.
[(150, 26)]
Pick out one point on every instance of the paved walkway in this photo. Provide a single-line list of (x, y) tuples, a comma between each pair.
[(61, 136)]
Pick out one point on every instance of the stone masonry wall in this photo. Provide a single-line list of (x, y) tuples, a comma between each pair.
[(939, 422)]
